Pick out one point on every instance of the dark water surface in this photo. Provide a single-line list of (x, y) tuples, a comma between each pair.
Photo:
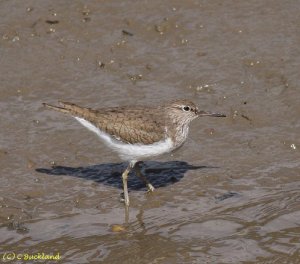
[(230, 195)]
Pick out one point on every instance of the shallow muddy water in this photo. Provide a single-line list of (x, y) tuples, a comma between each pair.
[(231, 194)]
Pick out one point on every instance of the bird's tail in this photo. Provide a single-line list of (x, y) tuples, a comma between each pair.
[(70, 108)]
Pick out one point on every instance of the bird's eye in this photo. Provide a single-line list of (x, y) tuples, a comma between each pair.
[(186, 108)]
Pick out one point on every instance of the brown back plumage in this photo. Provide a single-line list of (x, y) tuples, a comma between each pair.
[(127, 124)]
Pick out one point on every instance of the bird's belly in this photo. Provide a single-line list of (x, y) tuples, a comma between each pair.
[(140, 152), (128, 151)]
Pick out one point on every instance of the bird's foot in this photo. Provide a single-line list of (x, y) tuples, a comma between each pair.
[(150, 188)]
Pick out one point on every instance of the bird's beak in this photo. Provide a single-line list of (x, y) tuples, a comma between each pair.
[(204, 113)]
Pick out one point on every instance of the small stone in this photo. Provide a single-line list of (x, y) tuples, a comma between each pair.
[(184, 41), (117, 228), (293, 146), (15, 38), (51, 30)]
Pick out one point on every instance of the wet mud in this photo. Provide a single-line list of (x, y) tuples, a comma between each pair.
[(229, 195)]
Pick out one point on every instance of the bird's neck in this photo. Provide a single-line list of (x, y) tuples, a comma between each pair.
[(178, 132), (181, 134)]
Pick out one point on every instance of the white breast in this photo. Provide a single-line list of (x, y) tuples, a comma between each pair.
[(130, 151)]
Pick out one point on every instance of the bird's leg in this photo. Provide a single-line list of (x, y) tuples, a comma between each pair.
[(142, 177), (124, 178)]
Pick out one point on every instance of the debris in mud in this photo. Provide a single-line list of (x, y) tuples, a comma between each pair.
[(86, 12), (13, 39), (125, 32), (51, 30), (226, 196), (101, 64), (251, 63), (210, 131), (135, 77), (52, 22), (184, 41), (293, 146), (246, 117), (121, 43), (206, 88), (163, 26), (86, 19), (234, 114)]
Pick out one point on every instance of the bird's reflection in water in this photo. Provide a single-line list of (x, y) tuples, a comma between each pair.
[(160, 174)]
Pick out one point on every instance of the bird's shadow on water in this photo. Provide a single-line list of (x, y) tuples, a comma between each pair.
[(160, 174)]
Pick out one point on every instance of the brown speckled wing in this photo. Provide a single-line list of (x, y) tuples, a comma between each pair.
[(135, 126), (130, 125)]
